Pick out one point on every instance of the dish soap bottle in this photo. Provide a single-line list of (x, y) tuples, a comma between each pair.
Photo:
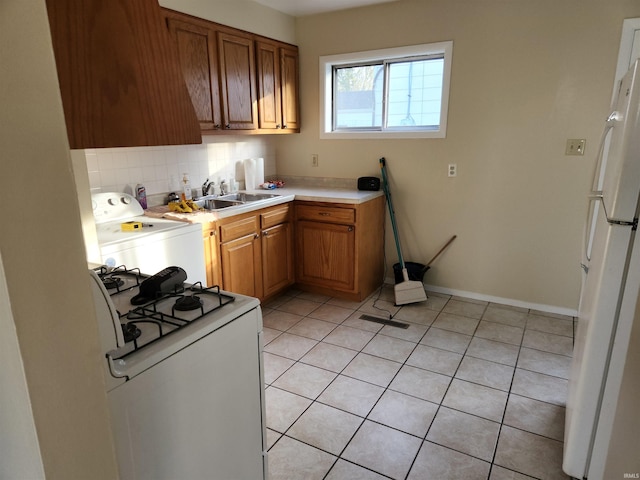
[(186, 187), (141, 196)]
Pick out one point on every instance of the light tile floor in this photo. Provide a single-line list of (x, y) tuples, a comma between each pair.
[(469, 390)]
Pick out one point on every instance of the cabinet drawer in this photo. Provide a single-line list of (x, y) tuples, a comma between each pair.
[(239, 228), (274, 217), (326, 214)]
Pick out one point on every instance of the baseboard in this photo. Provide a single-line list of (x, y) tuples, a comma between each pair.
[(504, 301)]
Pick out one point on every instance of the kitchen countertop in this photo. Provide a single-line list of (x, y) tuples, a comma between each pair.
[(286, 194)]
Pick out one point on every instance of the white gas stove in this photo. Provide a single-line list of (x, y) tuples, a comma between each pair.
[(184, 375)]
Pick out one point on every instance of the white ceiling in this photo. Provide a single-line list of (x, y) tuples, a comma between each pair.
[(299, 8)]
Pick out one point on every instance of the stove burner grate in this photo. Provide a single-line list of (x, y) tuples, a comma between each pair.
[(131, 332), (119, 279), (111, 282), (179, 317), (187, 303)]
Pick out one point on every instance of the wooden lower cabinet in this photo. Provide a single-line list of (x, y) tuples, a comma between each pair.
[(339, 247), (211, 253), (251, 253)]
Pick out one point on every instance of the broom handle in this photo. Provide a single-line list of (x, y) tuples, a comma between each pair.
[(442, 250), (385, 187)]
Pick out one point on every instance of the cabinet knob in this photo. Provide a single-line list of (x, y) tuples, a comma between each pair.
[(284, 126), (350, 229), (278, 125), (228, 125), (265, 234), (256, 236), (216, 126)]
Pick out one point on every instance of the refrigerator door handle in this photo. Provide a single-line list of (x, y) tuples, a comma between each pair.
[(597, 195), (593, 197)]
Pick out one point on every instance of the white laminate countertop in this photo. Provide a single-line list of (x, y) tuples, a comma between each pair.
[(285, 195)]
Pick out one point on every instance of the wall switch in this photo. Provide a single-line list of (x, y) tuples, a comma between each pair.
[(575, 146), (314, 159), (453, 170)]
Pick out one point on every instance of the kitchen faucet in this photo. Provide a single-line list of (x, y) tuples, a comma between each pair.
[(206, 186)]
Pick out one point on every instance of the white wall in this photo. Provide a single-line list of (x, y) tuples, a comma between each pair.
[(526, 76), (19, 449), (43, 255)]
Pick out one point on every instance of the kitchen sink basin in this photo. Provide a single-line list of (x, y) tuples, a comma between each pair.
[(245, 197), (213, 202)]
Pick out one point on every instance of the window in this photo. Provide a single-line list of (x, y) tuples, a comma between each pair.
[(397, 92)]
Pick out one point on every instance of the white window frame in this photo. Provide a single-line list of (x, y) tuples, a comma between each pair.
[(326, 89)]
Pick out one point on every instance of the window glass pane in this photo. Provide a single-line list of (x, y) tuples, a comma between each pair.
[(358, 96), (415, 93)]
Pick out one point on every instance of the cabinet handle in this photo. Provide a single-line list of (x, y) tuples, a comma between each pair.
[(228, 125), (284, 126), (216, 126), (278, 125), (256, 236), (350, 229)]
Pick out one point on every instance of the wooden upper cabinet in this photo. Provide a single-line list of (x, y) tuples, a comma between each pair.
[(269, 96), (197, 53), (289, 88), (277, 66), (237, 84), (237, 81), (119, 77)]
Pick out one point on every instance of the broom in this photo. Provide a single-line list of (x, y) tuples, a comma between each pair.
[(407, 291)]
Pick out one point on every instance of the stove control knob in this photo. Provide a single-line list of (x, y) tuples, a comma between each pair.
[(112, 201), (125, 200)]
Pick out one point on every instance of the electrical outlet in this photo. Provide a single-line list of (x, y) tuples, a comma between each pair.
[(453, 170), (575, 146), (314, 159)]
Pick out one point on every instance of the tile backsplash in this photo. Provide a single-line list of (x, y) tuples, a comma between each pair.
[(160, 169)]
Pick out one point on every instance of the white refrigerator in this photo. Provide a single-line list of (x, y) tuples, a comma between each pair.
[(611, 283)]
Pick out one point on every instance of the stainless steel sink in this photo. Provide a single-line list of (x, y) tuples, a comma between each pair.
[(245, 197), (213, 202)]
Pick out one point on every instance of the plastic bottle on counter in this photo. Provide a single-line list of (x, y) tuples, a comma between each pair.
[(186, 187), (141, 196)]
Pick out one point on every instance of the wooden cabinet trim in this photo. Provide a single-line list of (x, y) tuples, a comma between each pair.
[(276, 216), (239, 228), (323, 213)]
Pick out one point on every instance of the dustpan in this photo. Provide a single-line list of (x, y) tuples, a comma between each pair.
[(407, 291)]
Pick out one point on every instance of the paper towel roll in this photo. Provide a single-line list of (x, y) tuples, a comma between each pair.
[(259, 172), (250, 174), (253, 173)]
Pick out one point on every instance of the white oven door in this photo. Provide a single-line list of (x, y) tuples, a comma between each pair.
[(197, 414)]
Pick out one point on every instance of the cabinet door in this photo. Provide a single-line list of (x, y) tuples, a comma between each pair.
[(326, 254), (197, 53), (237, 86), (241, 272), (211, 256), (269, 98), (289, 83), (277, 261)]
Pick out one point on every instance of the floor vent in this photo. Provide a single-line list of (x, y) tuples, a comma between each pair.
[(384, 321)]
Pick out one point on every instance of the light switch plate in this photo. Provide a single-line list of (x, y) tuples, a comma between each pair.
[(575, 146)]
